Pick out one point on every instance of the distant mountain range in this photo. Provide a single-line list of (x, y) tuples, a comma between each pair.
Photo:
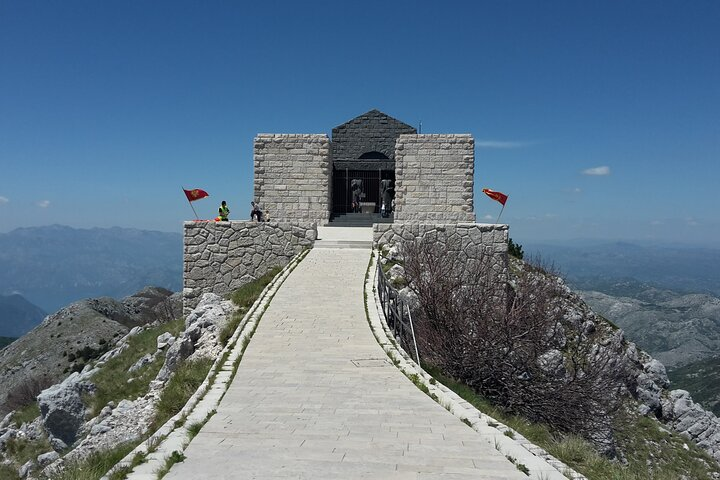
[(18, 316), (673, 327), (56, 265), (589, 264)]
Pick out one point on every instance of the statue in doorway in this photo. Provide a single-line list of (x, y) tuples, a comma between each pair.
[(386, 196), (356, 189)]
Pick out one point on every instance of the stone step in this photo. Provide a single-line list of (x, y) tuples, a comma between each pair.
[(343, 244)]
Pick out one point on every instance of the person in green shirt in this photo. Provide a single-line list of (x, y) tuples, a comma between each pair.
[(223, 211)]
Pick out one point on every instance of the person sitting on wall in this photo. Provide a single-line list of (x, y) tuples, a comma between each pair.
[(255, 213), (223, 212)]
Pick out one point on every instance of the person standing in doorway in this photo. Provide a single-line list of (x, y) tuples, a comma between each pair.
[(223, 211)]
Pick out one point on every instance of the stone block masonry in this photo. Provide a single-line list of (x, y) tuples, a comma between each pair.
[(292, 177), (472, 241), (434, 178), (220, 257)]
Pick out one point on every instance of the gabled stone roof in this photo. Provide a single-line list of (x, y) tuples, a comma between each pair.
[(371, 134)]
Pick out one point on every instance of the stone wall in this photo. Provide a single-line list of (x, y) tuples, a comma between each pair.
[(220, 257), (434, 178), (292, 177), (473, 241)]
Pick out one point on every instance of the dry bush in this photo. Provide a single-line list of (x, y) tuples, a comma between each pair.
[(26, 392), (510, 341)]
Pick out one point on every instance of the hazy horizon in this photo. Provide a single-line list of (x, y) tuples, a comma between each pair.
[(598, 120)]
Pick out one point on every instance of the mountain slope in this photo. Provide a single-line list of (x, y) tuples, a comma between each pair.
[(55, 265), (68, 338), (676, 329), (18, 316)]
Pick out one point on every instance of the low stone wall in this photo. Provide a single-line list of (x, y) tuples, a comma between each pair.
[(434, 178), (474, 241), (220, 257)]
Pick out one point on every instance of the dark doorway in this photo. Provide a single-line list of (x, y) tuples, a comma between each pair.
[(342, 189)]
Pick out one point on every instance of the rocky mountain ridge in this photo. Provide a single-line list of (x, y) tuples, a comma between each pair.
[(66, 340), (675, 328), (73, 432)]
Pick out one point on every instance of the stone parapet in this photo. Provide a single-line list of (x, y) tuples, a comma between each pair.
[(472, 241), (292, 177), (434, 178), (220, 257)]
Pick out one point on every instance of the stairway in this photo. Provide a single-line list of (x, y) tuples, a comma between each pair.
[(357, 219)]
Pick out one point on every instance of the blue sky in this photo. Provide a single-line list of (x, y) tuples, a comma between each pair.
[(600, 120)]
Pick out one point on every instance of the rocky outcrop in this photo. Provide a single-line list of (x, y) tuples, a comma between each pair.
[(62, 408), (66, 340), (128, 420), (690, 419), (201, 336)]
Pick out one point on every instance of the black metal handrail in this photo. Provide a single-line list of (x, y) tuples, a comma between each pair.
[(396, 312)]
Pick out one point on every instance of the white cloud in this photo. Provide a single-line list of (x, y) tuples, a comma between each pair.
[(691, 222), (488, 217), (597, 171), (4, 200), (500, 144), (577, 190), (43, 203), (657, 222)]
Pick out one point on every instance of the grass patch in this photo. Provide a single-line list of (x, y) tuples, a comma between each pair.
[(651, 452), (112, 380), (21, 449), (244, 297), (96, 465), (26, 414), (170, 460), (9, 473), (181, 386)]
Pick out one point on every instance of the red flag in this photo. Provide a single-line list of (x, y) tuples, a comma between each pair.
[(195, 194), (497, 196)]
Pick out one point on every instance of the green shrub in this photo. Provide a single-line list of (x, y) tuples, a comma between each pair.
[(515, 249)]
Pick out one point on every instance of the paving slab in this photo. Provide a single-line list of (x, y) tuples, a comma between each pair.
[(315, 398)]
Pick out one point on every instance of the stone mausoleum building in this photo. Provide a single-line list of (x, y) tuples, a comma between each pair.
[(371, 160), (375, 171)]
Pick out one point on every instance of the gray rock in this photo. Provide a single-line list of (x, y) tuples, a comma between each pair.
[(657, 373), (62, 408), (99, 429), (178, 352), (9, 434), (26, 469), (648, 392), (145, 360), (165, 340), (47, 458), (6, 420), (552, 362), (57, 444)]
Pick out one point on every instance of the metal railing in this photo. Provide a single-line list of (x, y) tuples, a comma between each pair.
[(397, 314)]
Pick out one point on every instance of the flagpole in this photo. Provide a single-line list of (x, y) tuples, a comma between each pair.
[(501, 210), (191, 205)]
